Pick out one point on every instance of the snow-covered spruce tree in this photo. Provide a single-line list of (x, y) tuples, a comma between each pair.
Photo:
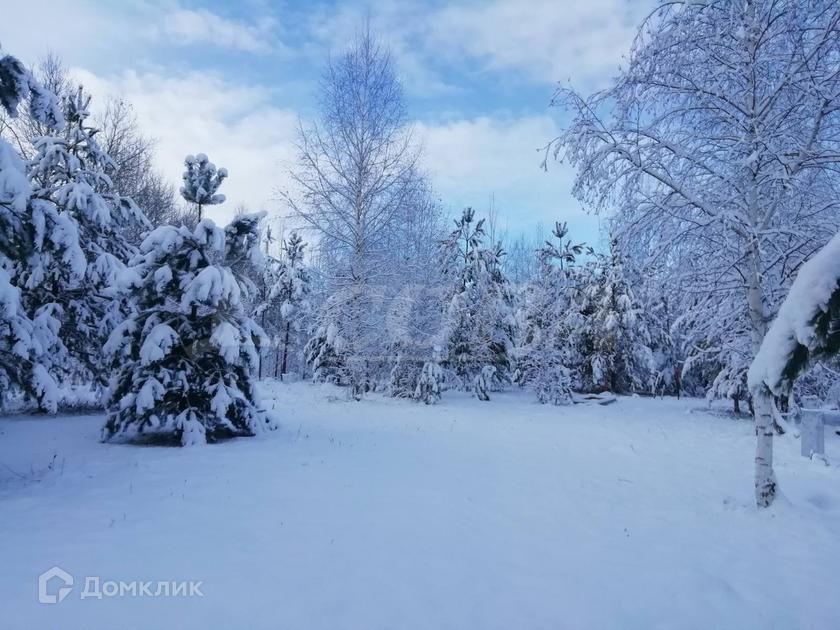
[(185, 358), (133, 173), (74, 266), (553, 383), (667, 364), (484, 382), (286, 308), (430, 383), (616, 339), (17, 85), (264, 279), (718, 145), (324, 351), (25, 343), (414, 322), (547, 349), (500, 319), (479, 320), (806, 329), (201, 181), (405, 375)]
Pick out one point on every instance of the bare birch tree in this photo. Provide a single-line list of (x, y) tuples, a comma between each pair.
[(356, 174)]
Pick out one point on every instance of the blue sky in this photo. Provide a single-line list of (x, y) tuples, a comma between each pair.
[(232, 80)]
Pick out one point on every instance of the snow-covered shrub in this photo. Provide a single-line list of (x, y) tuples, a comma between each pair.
[(185, 357), (359, 377), (553, 385), (429, 383), (483, 382), (731, 383), (822, 382), (404, 377), (341, 350)]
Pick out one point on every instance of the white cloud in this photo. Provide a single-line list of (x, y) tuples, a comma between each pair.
[(542, 41), (546, 40), (248, 130), (90, 33), (81, 30), (190, 27), (399, 24), (237, 126), (471, 159), (242, 129)]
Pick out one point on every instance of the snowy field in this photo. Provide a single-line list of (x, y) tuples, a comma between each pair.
[(387, 514)]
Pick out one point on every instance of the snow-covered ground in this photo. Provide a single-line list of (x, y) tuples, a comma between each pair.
[(388, 514)]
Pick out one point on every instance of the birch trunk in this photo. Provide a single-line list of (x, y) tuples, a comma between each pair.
[(765, 479)]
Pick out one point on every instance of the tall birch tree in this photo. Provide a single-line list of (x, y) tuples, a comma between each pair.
[(355, 174)]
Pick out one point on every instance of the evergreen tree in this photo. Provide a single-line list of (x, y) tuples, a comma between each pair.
[(185, 357), (25, 342), (430, 383), (324, 351), (553, 382), (74, 265), (288, 300), (341, 350), (616, 341), (665, 348), (18, 85), (479, 319), (283, 300), (201, 181), (483, 382), (405, 375), (549, 352)]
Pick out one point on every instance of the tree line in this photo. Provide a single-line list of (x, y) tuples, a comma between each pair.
[(713, 152)]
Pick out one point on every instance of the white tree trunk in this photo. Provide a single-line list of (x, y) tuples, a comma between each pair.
[(765, 479), (755, 300)]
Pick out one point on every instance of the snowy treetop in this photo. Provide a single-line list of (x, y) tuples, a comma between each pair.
[(17, 84), (201, 181)]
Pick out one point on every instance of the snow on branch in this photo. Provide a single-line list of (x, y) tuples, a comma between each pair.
[(807, 326)]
